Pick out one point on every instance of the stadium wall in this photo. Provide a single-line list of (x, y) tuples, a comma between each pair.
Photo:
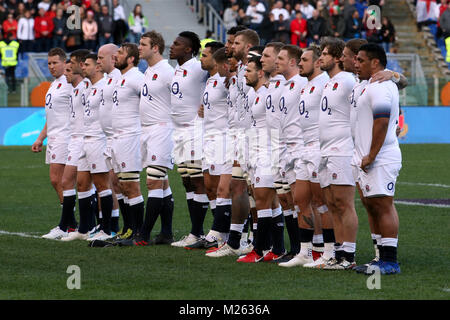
[(22, 125)]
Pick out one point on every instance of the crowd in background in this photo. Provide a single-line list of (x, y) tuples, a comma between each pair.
[(39, 25)]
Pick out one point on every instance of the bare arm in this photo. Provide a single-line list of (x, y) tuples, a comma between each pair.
[(400, 80), (37, 145)]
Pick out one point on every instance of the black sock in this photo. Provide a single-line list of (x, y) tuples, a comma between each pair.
[(338, 252), (306, 235), (84, 205), (277, 231), (67, 214), (246, 225), (234, 239), (123, 207), (166, 216), (222, 219), (263, 231), (328, 236), (106, 203), (95, 211), (200, 210), (136, 216), (115, 224), (388, 254), (292, 231), (349, 256), (152, 211), (191, 209)]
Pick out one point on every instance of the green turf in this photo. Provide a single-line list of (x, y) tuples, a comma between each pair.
[(32, 268)]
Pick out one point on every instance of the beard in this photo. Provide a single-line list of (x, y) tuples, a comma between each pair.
[(120, 65)]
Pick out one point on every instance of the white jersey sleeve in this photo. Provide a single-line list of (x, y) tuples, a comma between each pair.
[(309, 107), (215, 105), (378, 100), (155, 102), (107, 102), (92, 125), (126, 120), (334, 119), (57, 109), (187, 87)]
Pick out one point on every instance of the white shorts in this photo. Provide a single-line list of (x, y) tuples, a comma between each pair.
[(307, 168), (109, 152), (75, 150), (217, 169), (291, 161), (241, 151), (93, 156), (126, 154), (380, 180), (355, 172), (231, 143), (215, 149), (260, 178), (336, 171), (188, 144), (56, 152), (157, 146)]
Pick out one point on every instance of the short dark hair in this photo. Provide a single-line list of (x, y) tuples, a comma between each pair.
[(375, 51), (257, 61), (58, 52), (335, 46), (92, 56), (193, 39), (294, 52), (354, 44), (250, 36), (236, 29), (214, 46), (255, 51), (132, 51), (156, 39), (80, 54), (315, 49), (220, 55), (276, 46)]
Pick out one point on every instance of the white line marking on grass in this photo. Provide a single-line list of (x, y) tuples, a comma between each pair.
[(412, 203), (19, 234), (424, 184)]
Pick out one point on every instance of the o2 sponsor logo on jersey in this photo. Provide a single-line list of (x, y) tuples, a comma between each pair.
[(176, 90), (282, 105), (145, 93), (72, 112), (269, 104), (301, 109), (205, 101), (324, 105), (48, 101), (390, 186), (114, 98)]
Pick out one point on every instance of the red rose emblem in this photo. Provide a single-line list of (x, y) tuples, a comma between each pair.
[(153, 157), (334, 176), (155, 76), (335, 86), (123, 165)]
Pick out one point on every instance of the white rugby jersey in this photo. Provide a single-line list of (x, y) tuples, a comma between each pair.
[(378, 100), (107, 102), (334, 119), (274, 91), (92, 126), (187, 87), (57, 109), (290, 117), (242, 102), (155, 99), (309, 107), (259, 110), (356, 92), (126, 120), (77, 102), (215, 105), (231, 101)]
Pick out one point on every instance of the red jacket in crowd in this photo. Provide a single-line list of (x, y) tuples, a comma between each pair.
[(9, 26), (42, 25)]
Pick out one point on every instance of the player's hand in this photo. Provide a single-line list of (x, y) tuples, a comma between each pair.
[(398, 131), (381, 76), (37, 146), (365, 163), (201, 112)]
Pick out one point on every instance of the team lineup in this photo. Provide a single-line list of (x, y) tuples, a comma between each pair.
[(268, 137)]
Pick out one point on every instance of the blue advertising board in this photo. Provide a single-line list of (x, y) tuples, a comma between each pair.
[(21, 126)]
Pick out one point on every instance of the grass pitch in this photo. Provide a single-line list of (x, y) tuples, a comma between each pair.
[(34, 268)]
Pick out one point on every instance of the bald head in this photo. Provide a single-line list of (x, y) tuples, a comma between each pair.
[(106, 57)]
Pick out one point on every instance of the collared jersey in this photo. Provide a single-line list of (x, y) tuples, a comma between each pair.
[(309, 107), (126, 120), (77, 102), (378, 100), (155, 102), (107, 102), (57, 109), (215, 104), (290, 117), (334, 119), (187, 87), (92, 125)]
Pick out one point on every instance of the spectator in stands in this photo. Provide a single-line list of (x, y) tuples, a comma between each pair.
[(230, 15), (296, 9), (25, 32), (279, 9), (120, 24), (43, 28), (243, 19), (336, 22), (137, 23), (31, 6), (255, 10), (282, 29), (8, 51), (60, 30), (51, 13), (45, 4), (317, 28), (353, 26), (3, 12), (445, 26), (105, 27), (361, 6), (10, 26), (442, 7), (267, 29), (90, 30), (20, 12), (307, 9), (349, 8), (95, 7), (426, 13), (299, 30), (387, 33)]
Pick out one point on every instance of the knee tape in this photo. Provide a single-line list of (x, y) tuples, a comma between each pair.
[(128, 176), (237, 173), (182, 170), (156, 173), (280, 187), (195, 169)]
